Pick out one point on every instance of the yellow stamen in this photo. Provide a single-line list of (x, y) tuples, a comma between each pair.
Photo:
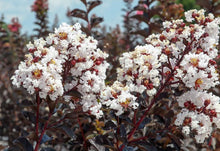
[(198, 82), (52, 61), (37, 73), (62, 35), (194, 61)]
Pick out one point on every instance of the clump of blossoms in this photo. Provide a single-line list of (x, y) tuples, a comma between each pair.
[(181, 55), (190, 51), (67, 60), (138, 73)]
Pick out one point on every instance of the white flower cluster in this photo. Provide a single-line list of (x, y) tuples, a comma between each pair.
[(190, 51), (138, 72), (198, 72), (67, 60), (40, 72), (200, 111), (118, 98), (139, 69), (70, 61)]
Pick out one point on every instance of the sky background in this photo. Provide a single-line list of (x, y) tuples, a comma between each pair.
[(110, 10)]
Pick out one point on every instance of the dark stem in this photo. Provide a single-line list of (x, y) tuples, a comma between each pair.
[(58, 122), (37, 116), (42, 133), (83, 136)]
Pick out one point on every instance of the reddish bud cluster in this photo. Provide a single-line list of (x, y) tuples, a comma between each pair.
[(15, 25), (99, 61), (148, 85), (187, 121), (32, 50), (40, 5), (209, 112)]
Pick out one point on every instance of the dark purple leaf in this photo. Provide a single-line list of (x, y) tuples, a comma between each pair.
[(93, 4), (24, 143), (79, 14), (140, 18), (29, 116), (26, 102), (84, 2), (103, 140), (123, 133), (68, 131), (45, 138), (47, 149), (204, 4), (95, 21), (144, 122), (109, 125), (149, 147), (129, 148)]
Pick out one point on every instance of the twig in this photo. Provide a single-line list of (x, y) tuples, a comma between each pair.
[(42, 133), (37, 116), (81, 129)]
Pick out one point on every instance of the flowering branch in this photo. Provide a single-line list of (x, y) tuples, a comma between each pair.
[(68, 63)]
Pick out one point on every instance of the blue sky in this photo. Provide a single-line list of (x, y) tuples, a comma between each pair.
[(110, 10)]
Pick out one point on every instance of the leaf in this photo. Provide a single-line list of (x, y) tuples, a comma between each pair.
[(216, 9), (68, 131), (45, 138), (204, 4), (143, 33), (85, 30), (103, 140), (84, 2), (79, 14), (24, 143), (91, 136), (29, 116), (26, 102), (95, 21), (129, 148), (99, 147), (149, 147), (74, 94), (140, 18), (93, 4), (144, 122), (51, 104), (47, 149), (123, 133), (109, 125)]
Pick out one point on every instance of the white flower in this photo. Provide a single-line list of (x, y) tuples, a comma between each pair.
[(66, 59)]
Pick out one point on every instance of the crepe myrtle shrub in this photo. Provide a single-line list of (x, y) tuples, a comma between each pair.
[(159, 99)]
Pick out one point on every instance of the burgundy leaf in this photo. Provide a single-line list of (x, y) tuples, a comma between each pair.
[(79, 14), (84, 2), (93, 4), (95, 21)]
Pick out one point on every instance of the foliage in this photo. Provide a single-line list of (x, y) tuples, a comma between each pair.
[(92, 21), (37, 122), (40, 7), (188, 4)]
